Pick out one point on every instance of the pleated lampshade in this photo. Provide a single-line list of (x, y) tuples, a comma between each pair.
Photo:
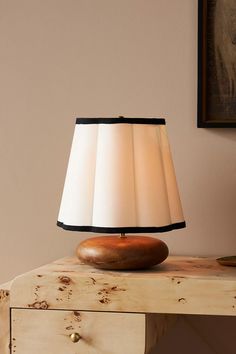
[(120, 178)]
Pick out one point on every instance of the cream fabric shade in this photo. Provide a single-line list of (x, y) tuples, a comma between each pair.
[(120, 178)]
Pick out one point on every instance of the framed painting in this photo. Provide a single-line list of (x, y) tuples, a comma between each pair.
[(216, 63)]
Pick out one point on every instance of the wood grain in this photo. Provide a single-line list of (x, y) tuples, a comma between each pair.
[(42, 331), (181, 285), (156, 327), (121, 253), (5, 318)]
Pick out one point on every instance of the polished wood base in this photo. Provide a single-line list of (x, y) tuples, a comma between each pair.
[(120, 253), (227, 261)]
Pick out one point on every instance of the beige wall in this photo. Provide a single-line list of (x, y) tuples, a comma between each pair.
[(66, 58)]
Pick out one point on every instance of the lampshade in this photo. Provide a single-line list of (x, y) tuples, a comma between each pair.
[(120, 178)]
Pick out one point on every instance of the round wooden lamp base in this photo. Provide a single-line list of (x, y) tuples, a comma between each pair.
[(120, 253)]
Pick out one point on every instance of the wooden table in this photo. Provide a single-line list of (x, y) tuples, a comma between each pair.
[(68, 307)]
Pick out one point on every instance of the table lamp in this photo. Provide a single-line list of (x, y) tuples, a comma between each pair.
[(120, 180)]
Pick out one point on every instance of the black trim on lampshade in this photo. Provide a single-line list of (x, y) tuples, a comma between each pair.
[(121, 120), (125, 230)]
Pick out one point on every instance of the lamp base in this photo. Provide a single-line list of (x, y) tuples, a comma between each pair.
[(122, 253), (227, 261)]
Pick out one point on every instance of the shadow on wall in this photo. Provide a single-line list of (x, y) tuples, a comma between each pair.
[(229, 134), (200, 335)]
